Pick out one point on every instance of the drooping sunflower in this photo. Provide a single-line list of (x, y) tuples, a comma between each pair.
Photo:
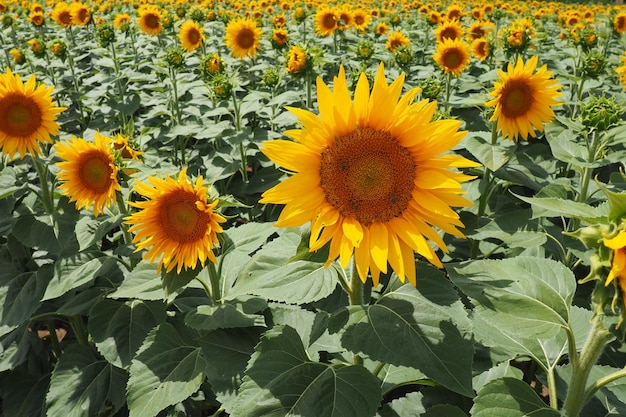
[(523, 99), (371, 176), (150, 20), (27, 115), (88, 172), (190, 35), (243, 37), (296, 59), (326, 20), (396, 39), (452, 56), (176, 223), (479, 30)]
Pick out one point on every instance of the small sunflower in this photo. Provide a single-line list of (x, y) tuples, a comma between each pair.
[(523, 99), (381, 29), (396, 39), (371, 176), (279, 37), (190, 35), (296, 59), (619, 23), (62, 14), (481, 48), (27, 115), (326, 20), (449, 29), (621, 70), (150, 21), (452, 56), (36, 18), (121, 21), (176, 222), (617, 274), (360, 20), (88, 173), (243, 37), (81, 15)]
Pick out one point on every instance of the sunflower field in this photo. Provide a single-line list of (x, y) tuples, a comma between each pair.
[(319, 209)]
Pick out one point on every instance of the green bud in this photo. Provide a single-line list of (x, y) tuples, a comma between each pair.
[(403, 55), (270, 77), (431, 88), (105, 34), (591, 236), (197, 15), (222, 87), (364, 50), (601, 113), (175, 58), (594, 64)]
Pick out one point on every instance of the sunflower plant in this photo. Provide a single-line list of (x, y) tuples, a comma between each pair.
[(195, 221)]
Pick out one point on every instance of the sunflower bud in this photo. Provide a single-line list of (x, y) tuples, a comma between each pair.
[(197, 15), (591, 236), (7, 21), (431, 88), (601, 113), (211, 65), (38, 47), (270, 77), (364, 50), (594, 64), (175, 58), (403, 55), (59, 48), (221, 87), (105, 34)]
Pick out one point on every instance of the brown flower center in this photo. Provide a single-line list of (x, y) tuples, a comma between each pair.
[(181, 220), (368, 175), (517, 98), (245, 38), (151, 21), (193, 36), (95, 172), (20, 116)]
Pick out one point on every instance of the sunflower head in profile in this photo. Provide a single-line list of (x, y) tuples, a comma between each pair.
[(396, 39), (190, 35), (176, 222), (27, 115), (523, 99), (372, 176), (150, 20), (243, 37), (88, 173), (452, 56)]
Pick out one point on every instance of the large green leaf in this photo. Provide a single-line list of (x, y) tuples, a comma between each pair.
[(228, 315), (274, 275), (29, 389), (18, 346), (561, 207), (83, 386), (165, 371), (20, 298), (411, 405), (89, 231), (227, 352), (530, 297), (72, 272), (424, 327), (142, 282), (509, 397), (492, 156), (281, 381), (119, 328)]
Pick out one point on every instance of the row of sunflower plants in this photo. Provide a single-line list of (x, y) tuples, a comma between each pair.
[(312, 209)]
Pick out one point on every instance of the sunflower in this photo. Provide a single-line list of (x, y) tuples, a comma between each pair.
[(371, 176), (619, 23), (381, 29), (621, 70), (617, 274), (88, 173), (190, 35), (452, 56), (326, 20), (150, 21), (481, 48), (176, 222), (360, 20), (296, 59), (523, 99), (397, 39), (27, 115), (80, 14), (479, 30), (449, 29), (279, 37), (243, 37), (126, 148), (36, 18), (62, 14), (121, 21)]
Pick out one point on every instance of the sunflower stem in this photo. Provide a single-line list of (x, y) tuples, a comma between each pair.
[(242, 149), (355, 294), (118, 83), (79, 104), (47, 198), (214, 292), (78, 326), (54, 340), (598, 337), (594, 387), (123, 210)]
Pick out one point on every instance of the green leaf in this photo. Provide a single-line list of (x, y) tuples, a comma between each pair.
[(89, 231), (392, 376), (271, 275), (29, 389), (281, 381), (119, 328), (228, 315), (9, 182), (501, 370), (424, 327), (82, 386), (561, 207), (21, 298), (529, 297), (165, 371), (509, 397), (491, 156), (444, 410), (18, 346), (617, 204), (173, 281), (142, 283), (411, 405), (228, 352), (73, 272)]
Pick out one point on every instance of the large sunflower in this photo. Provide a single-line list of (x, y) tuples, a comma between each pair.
[(150, 21), (370, 176), (243, 37), (523, 99), (62, 14), (27, 115), (326, 20), (176, 222), (452, 56), (190, 35), (88, 173)]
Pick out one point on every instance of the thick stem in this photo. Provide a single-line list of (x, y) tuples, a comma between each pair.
[(598, 337), (355, 294), (47, 198), (214, 277)]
